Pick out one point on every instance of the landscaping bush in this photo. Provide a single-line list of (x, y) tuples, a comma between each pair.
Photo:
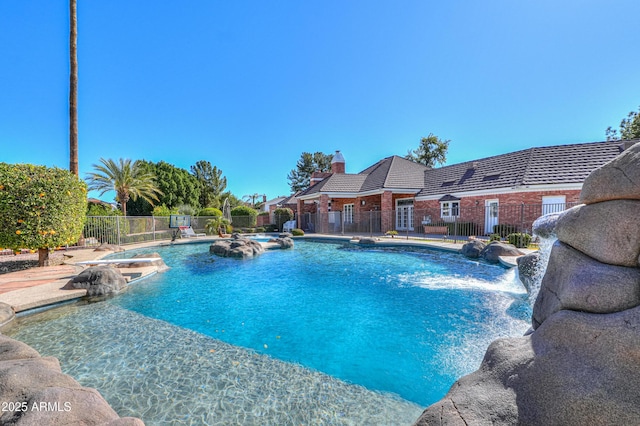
[(210, 211), (520, 240), (270, 228), (504, 229), (260, 230), (40, 208), (495, 237), (297, 232), (163, 210), (244, 216)]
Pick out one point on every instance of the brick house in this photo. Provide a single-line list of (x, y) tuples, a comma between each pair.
[(398, 194), (339, 200)]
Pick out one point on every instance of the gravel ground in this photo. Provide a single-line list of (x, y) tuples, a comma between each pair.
[(11, 263)]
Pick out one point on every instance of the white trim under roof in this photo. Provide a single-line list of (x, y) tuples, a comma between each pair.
[(359, 194), (512, 190)]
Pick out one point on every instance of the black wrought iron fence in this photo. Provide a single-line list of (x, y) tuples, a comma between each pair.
[(493, 221)]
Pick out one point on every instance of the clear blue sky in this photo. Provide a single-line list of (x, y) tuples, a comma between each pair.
[(249, 85)]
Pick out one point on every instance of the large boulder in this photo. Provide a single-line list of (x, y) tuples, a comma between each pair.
[(98, 281), (607, 231), (473, 248), (45, 395), (159, 263), (109, 247), (530, 269), (493, 251), (617, 180), (562, 374), (577, 282), (238, 247), (283, 242), (545, 226)]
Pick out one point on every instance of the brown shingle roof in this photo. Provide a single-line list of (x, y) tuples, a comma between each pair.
[(391, 172), (534, 166)]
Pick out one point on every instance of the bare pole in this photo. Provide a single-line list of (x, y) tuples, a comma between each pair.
[(73, 88)]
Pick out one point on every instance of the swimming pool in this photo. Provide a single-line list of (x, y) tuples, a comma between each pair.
[(323, 331)]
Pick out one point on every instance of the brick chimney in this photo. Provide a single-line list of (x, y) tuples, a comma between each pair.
[(337, 164)]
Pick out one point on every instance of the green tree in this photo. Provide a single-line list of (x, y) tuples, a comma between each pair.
[(432, 151), (244, 216), (178, 187), (300, 177), (40, 208), (212, 183), (233, 200), (253, 200), (129, 181), (629, 128)]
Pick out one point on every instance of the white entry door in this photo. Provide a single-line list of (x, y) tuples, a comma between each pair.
[(491, 209), (404, 215)]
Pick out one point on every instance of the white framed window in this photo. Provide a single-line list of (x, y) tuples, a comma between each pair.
[(449, 209), (553, 203), (347, 213)]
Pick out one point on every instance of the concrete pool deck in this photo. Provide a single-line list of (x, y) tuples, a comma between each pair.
[(41, 287)]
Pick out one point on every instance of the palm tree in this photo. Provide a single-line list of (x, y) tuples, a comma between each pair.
[(73, 89), (252, 198), (129, 180)]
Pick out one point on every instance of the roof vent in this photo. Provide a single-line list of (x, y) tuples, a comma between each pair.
[(491, 177), (474, 165)]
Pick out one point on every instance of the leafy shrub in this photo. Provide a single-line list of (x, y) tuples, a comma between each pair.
[(297, 232), (216, 224), (504, 229), (244, 216), (260, 230), (94, 209), (495, 237), (40, 207), (210, 211), (270, 228), (263, 214), (186, 209), (163, 210), (282, 215), (520, 240)]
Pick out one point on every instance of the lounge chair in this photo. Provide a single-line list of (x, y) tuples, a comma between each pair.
[(288, 226), (187, 232)]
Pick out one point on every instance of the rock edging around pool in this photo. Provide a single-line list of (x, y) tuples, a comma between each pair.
[(35, 391), (244, 248)]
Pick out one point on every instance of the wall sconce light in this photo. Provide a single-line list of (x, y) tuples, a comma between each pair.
[(477, 202), (363, 202)]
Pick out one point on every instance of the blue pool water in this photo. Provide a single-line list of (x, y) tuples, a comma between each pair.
[(325, 333), (408, 323)]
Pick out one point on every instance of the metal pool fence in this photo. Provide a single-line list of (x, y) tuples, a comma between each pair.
[(457, 225)]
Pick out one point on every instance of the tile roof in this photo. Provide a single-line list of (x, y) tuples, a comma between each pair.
[(394, 172), (535, 166), (389, 173)]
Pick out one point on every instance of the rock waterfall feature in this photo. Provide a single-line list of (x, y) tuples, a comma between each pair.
[(580, 364)]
